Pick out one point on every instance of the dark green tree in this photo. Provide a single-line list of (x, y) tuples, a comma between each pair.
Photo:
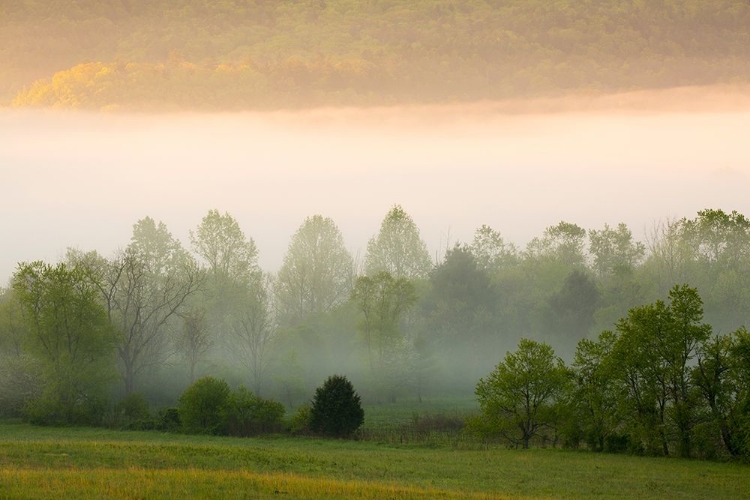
[(336, 408), (202, 407), (518, 398)]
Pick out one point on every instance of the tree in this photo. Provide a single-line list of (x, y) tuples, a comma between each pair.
[(69, 335), (564, 243), (614, 251), (194, 341), (220, 242), (202, 407), (382, 300), (459, 312), (596, 392), (254, 330), (490, 249), (722, 375), (336, 408), (397, 248), (572, 308), (144, 287), (519, 395), (655, 349), (316, 274), (232, 267)]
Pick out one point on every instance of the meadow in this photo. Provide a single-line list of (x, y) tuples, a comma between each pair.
[(39, 462)]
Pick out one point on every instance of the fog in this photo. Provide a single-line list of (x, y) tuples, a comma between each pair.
[(82, 180)]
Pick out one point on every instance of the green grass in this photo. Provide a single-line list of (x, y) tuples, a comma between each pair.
[(93, 463)]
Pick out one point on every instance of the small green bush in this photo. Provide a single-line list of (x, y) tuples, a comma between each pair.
[(300, 421), (132, 413), (250, 415), (202, 407), (336, 409), (169, 420)]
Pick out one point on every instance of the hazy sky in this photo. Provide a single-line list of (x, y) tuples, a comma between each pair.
[(82, 180)]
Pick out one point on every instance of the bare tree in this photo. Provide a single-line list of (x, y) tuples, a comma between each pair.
[(144, 287)]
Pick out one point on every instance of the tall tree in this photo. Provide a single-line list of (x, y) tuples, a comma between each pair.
[(220, 242), (397, 248), (144, 288), (382, 300), (519, 395), (254, 329), (317, 272), (614, 251), (68, 333)]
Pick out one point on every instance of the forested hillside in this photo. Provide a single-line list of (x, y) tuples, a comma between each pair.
[(261, 54)]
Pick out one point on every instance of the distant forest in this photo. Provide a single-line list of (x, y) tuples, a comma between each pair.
[(270, 54)]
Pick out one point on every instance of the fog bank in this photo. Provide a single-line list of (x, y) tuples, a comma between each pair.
[(82, 180)]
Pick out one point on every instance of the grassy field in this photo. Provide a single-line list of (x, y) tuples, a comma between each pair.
[(93, 463)]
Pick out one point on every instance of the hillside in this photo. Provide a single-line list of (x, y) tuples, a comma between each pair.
[(260, 54)]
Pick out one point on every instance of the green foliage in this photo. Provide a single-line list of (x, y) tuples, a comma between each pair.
[(398, 249), (250, 415), (336, 408), (519, 396), (243, 55), (132, 413), (300, 421), (203, 406), (69, 338)]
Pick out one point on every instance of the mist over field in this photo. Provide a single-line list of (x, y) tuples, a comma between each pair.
[(81, 180)]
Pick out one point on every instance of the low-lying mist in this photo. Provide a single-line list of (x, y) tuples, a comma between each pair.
[(82, 180)]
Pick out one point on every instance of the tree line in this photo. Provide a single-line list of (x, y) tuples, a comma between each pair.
[(260, 54), (155, 316)]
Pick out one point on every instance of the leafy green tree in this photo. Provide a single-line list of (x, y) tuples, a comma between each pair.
[(317, 272), (722, 374), (231, 263), (518, 398), (656, 346), (249, 415), (69, 335), (614, 252), (336, 408), (459, 313), (202, 407), (382, 300), (491, 251), (597, 391), (220, 242), (572, 308), (397, 248)]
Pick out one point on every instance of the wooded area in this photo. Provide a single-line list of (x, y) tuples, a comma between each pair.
[(268, 54)]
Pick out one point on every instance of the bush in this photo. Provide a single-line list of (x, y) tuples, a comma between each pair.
[(300, 421), (249, 415), (202, 407), (336, 409), (132, 413), (169, 420)]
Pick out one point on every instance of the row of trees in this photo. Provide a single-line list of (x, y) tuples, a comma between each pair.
[(260, 54), (397, 323), (659, 384)]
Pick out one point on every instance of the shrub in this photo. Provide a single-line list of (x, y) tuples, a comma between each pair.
[(132, 413), (336, 409), (202, 407), (249, 415), (300, 421), (169, 420)]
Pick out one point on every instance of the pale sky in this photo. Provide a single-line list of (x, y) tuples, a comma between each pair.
[(69, 179)]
